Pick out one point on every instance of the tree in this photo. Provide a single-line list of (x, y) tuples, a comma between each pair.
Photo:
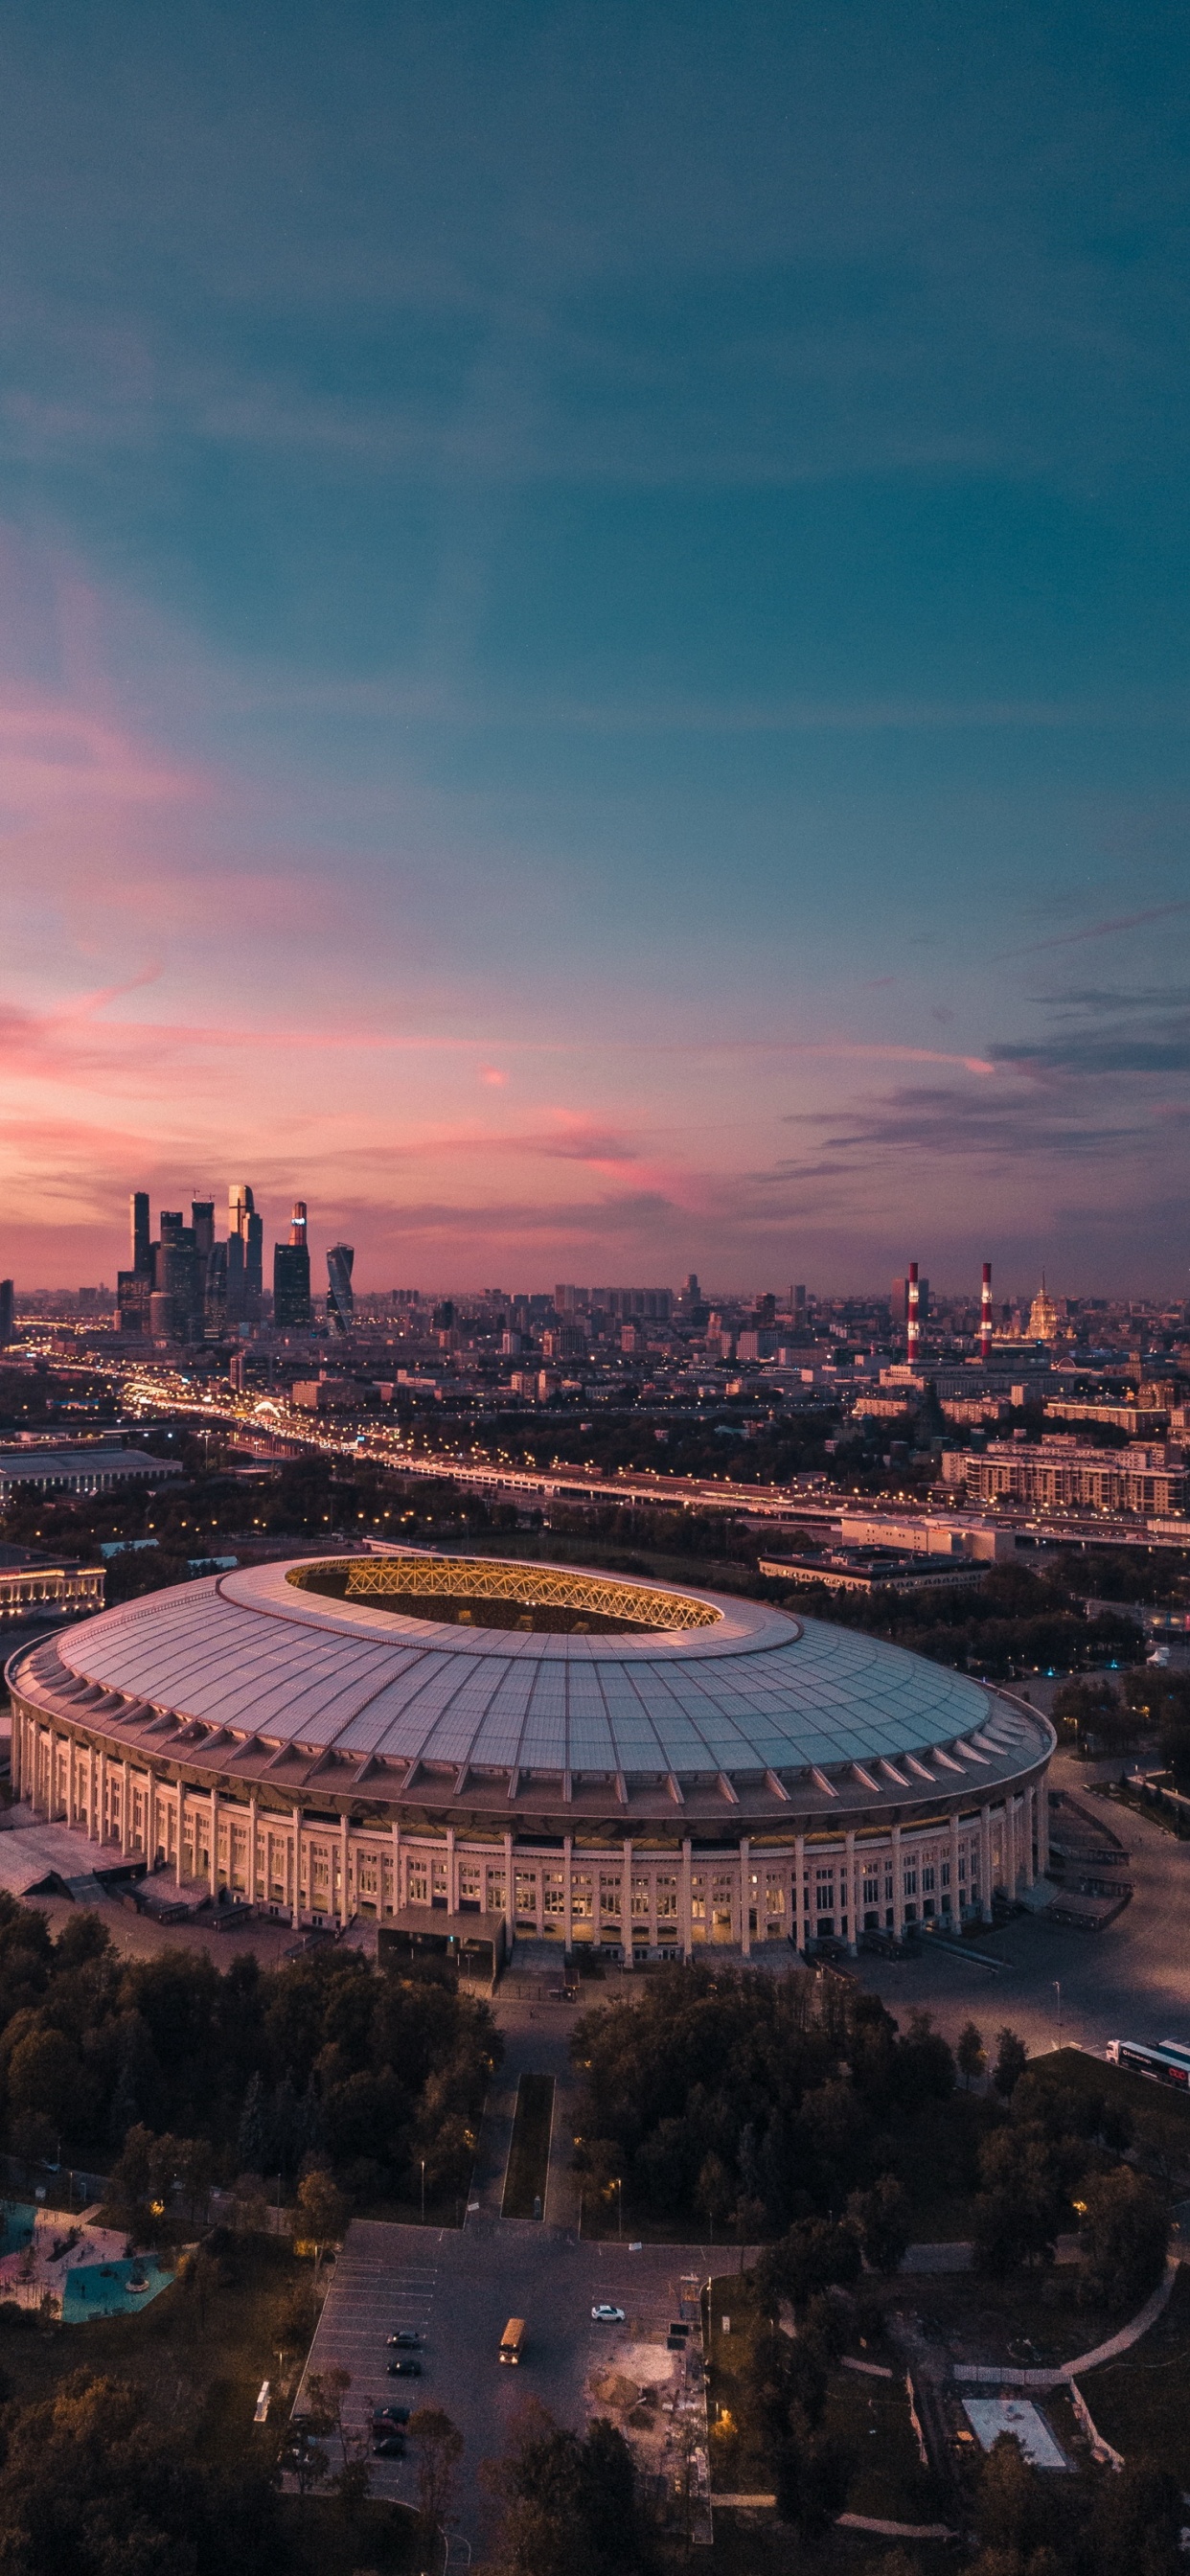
[(1012, 2057), (1025, 2197), (252, 2145), (569, 2501), (971, 2056), (43, 2075), (1125, 2234), (322, 2213), (1012, 2507), (814, 2254), (880, 2218), (1136, 2524), (438, 2444)]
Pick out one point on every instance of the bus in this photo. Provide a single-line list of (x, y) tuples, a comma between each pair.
[(1152, 2062), (512, 2341)]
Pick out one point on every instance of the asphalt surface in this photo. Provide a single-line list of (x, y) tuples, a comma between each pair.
[(458, 2289), (1130, 1981)]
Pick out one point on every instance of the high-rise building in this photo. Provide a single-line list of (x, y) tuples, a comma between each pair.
[(245, 1274), (340, 1296), (7, 1311), (291, 1276), (202, 1222), (140, 1245)]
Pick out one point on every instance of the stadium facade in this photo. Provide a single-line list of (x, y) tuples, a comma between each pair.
[(597, 1761)]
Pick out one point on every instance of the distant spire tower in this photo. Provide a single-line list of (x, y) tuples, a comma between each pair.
[(985, 1315)]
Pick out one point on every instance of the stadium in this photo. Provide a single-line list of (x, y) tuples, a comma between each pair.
[(572, 1756)]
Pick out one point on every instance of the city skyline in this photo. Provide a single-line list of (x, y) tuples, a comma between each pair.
[(592, 676)]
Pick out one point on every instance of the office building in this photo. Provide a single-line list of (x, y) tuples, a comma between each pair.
[(140, 1245), (340, 1296), (1057, 1473), (7, 1311), (291, 1276), (245, 1265)]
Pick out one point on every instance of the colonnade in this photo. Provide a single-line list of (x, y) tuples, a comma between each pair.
[(627, 1893)]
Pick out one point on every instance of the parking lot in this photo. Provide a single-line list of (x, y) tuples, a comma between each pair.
[(458, 2289)]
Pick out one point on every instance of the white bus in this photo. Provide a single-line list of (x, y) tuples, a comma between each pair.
[(1152, 2062)]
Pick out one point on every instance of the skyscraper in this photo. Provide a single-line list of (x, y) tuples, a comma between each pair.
[(340, 1296), (245, 1273), (291, 1275), (7, 1311), (140, 1245)]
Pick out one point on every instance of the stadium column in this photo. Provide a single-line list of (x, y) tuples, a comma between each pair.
[(687, 1914), (799, 1872), (955, 1908), (509, 1896), (452, 1876), (181, 1806), (344, 1917), (252, 1851), (985, 1863), (1043, 1824), (297, 1867), (101, 1828), (396, 1869), (745, 1896), (125, 1809), (90, 1793), (1010, 1845), (52, 1807), (626, 1904), (1028, 1832), (150, 1816), (852, 1899), (213, 1865), (568, 1894), (898, 1886)]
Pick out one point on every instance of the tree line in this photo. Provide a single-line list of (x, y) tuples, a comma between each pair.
[(325, 2061)]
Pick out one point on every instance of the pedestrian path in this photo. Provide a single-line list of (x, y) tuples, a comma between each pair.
[(987, 2373)]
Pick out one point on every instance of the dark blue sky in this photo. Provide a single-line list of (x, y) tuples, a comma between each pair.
[(593, 667)]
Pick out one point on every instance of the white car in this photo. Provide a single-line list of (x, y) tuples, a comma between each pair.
[(604, 2315)]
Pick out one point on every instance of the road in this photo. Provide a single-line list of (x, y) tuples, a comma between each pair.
[(1130, 1981)]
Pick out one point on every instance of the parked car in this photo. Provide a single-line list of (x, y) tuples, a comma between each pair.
[(388, 2446), (404, 2370), (405, 2342), (387, 2418), (606, 2315)]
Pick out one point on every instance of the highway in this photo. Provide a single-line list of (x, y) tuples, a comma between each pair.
[(277, 1429)]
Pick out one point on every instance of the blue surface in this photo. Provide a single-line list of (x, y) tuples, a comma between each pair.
[(102, 2289)]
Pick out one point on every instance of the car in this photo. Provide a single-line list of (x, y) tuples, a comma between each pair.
[(388, 2446), (606, 2315), (404, 2370), (386, 2419), (405, 2342)]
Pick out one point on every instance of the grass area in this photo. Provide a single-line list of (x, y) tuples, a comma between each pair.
[(1141, 2403), (529, 2153), (872, 2417), (1160, 2119), (984, 2320), (320, 2541)]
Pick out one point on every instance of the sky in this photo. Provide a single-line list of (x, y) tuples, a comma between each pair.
[(594, 637)]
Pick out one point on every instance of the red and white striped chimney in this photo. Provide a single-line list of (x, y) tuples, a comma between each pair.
[(985, 1315), (913, 1316)]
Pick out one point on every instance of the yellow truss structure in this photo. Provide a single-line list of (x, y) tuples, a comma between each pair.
[(493, 1579)]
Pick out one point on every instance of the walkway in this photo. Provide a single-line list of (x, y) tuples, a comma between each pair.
[(987, 2373)]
